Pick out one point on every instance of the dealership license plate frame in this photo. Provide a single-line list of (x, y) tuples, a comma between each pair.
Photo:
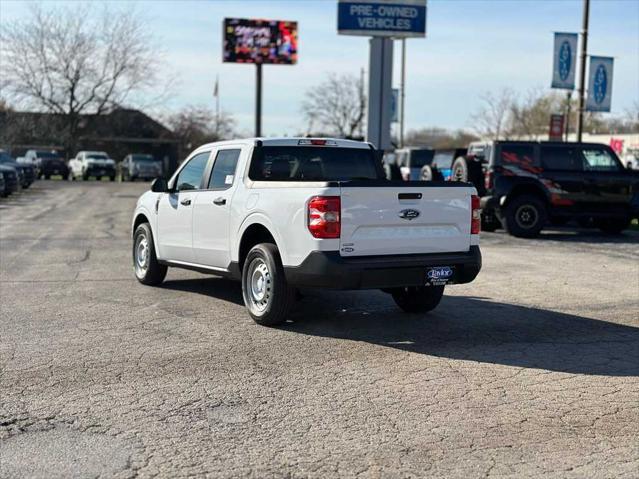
[(435, 275)]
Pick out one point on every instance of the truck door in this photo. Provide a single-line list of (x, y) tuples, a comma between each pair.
[(607, 183), (563, 175), (175, 212), (212, 211)]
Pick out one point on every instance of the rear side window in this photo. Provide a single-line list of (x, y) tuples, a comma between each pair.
[(312, 163), (522, 156), (191, 175), (223, 172), (599, 159), (560, 158)]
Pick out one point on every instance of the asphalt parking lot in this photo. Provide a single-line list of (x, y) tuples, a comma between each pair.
[(533, 370)]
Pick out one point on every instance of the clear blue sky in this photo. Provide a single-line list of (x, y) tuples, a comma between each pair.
[(472, 46)]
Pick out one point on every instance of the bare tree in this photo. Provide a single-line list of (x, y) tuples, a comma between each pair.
[(439, 138), (491, 120), (530, 117), (73, 61), (337, 105), (196, 125)]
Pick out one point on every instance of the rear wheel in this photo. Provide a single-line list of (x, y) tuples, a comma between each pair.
[(265, 291), (147, 269), (613, 226), (468, 171), (417, 299), (112, 178), (47, 177), (429, 173), (525, 216)]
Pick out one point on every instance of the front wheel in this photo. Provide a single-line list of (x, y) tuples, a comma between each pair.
[(417, 299), (265, 291), (525, 216), (147, 269)]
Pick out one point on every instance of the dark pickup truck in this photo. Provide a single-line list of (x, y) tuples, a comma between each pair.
[(530, 184)]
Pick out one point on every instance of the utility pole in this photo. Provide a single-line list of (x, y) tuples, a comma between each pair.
[(258, 99), (403, 95), (567, 119), (582, 73)]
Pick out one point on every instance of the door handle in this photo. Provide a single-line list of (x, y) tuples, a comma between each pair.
[(219, 201), (186, 202)]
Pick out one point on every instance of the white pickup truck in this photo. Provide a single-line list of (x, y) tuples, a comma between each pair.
[(281, 214)]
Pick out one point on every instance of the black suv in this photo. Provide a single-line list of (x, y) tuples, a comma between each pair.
[(528, 184)]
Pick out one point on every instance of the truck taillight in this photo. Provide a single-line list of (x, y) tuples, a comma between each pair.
[(324, 216), (488, 180), (475, 215)]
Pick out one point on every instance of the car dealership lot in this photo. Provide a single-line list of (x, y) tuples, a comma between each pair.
[(531, 370)]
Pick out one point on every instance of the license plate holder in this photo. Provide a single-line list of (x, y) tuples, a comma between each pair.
[(439, 275)]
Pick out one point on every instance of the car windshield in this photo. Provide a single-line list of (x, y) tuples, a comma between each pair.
[(97, 156), (312, 163), (420, 158), (46, 154), (143, 159), (5, 158)]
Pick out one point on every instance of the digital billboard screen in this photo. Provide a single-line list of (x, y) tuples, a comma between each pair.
[(260, 41)]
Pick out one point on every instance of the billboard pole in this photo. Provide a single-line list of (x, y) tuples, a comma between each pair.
[(403, 93), (582, 72), (258, 99)]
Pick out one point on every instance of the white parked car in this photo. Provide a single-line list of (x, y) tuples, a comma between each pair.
[(91, 163), (279, 214)]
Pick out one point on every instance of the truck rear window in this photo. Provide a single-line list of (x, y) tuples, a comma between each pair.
[(312, 163)]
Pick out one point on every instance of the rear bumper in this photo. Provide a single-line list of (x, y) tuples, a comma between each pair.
[(332, 271)]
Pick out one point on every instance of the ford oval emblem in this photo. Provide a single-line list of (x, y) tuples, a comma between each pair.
[(408, 214), (600, 84), (565, 61)]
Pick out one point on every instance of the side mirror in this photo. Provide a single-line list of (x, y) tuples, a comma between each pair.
[(160, 185)]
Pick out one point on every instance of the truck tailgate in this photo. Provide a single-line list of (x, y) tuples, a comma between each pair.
[(405, 219)]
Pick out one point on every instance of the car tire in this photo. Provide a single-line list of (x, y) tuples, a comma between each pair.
[(145, 262), (111, 178), (417, 299), (266, 293), (85, 177), (525, 216), (613, 226), (429, 173), (468, 171), (47, 177)]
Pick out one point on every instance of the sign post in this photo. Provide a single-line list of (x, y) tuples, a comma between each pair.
[(259, 42), (383, 20)]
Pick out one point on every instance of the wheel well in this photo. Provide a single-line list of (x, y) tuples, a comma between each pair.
[(254, 234), (526, 190), (139, 219)]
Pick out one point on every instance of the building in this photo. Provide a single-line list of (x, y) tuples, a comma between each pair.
[(120, 132)]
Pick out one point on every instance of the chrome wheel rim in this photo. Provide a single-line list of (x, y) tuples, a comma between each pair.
[(526, 216), (141, 255), (258, 285)]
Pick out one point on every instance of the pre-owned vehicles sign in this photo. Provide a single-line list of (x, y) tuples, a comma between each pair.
[(386, 18)]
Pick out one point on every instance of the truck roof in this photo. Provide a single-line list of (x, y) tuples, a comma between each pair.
[(290, 141)]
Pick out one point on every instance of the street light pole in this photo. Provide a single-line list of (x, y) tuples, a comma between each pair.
[(403, 95), (582, 73)]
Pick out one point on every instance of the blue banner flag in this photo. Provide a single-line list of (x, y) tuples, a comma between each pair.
[(599, 84), (382, 18), (564, 61)]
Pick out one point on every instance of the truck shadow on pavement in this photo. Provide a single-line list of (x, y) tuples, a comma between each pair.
[(475, 329), (577, 235), (467, 328)]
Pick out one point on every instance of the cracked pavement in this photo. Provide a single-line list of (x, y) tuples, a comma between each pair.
[(530, 371)]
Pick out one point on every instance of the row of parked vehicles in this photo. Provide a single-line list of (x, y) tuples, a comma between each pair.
[(526, 185), (13, 175), (91, 164)]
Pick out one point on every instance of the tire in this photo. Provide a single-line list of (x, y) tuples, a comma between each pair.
[(70, 176), (613, 226), (418, 299), (47, 177), (525, 216), (85, 177), (429, 173), (145, 262), (468, 171), (111, 178), (267, 296)]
